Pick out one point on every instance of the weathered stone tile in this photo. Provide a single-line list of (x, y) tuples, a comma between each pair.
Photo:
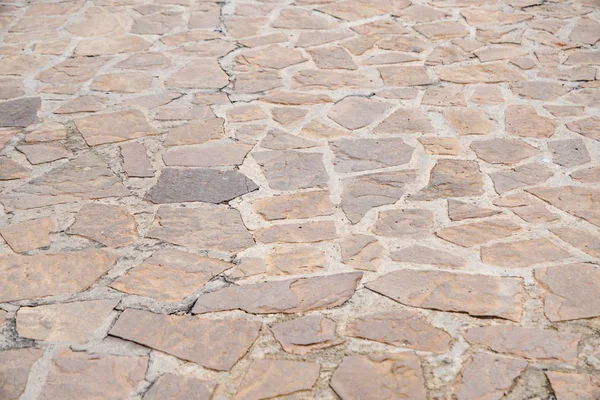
[(591, 57), (288, 116), (587, 175), (538, 90), (405, 120), (10, 170), (467, 121), (364, 192), (499, 52), (421, 13), (588, 127), (527, 208), (280, 140), (295, 260), (11, 88), (318, 79), (487, 95), (291, 170), (586, 31), (404, 223), (289, 296), (209, 227), (480, 232), (214, 344), (404, 43), (482, 73), (477, 295), (67, 7), (364, 154), (389, 58), (459, 210), (296, 18), (196, 132), (334, 57), (264, 40), (401, 329), (578, 238), (217, 154), (199, 75), (316, 38), (82, 104), (112, 226), (125, 82), (572, 291), (136, 163), (297, 99), (569, 153), (444, 55), (523, 120), (113, 127), (307, 232), (14, 371), (170, 275), (523, 253), (21, 64), (20, 112), (245, 113), (379, 376), (446, 96), (567, 386), (275, 57), (56, 274), (257, 82), (46, 133), (145, 61), (318, 130), (84, 177), (362, 252), (579, 73), (405, 76), (28, 235), (528, 342), (248, 266), (99, 21), (521, 176), (68, 322), (475, 382), (583, 97), (295, 206), (453, 178), (43, 153), (427, 256), (441, 146), (579, 201), (305, 334), (352, 11), (357, 112), (442, 30), (157, 23), (503, 151), (108, 46), (72, 71), (273, 378), (170, 386)]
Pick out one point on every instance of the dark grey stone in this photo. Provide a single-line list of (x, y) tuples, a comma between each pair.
[(21, 112), (199, 184)]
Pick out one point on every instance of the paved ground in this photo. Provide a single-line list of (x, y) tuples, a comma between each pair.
[(312, 199)]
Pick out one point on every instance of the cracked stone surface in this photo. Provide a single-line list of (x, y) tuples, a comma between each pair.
[(309, 199)]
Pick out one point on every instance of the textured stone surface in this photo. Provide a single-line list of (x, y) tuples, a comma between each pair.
[(307, 232), (14, 370), (43, 153), (477, 295), (270, 378), (135, 160), (214, 344), (112, 226), (198, 184), (28, 235), (427, 256), (475, 233), (357, 112), (576, 200), (453, 178), (362, 252), (365, 154), (217, 154), (298, 205), (522, 253), (404, 223), (289, 170), (305, 334), (572, 385), (21, 112), (503, 151), (113, 127), (170, 386)]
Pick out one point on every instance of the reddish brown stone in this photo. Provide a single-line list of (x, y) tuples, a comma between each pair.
[(170, 386), (28, 235), (14, 371), (305, 334), (273, 378)]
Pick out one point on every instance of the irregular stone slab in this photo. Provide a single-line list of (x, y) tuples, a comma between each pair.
[(295, 205), (291, 170), (21, 64), (401, 329), (69, 322), (10, 170), (534, 343), (157, 23), (248, 266), (113, 376), (480, 232), (56, 274), (279, 140), (405, 76), (523, 253), (588, 127), (446, 96), (108, 46), (320, 79), (350, 11), (574, 386), (211, 155), (586, 31), (334, 57), (72, 71), (527, 208), (442, 30), (136, 163), (305, 334), (441, 146), (583, 57), (579, 73), (289, 116), (113, 127), (11, 88), (365, 192), (171, 386), (427, 256), (199, 75), (14, 371), (289, 296), (273, 378), (364, 154), (275, 57), (587, 175), (404, 223), (503, 151), (579, 201), (112, 226), (467, 121), (170, 275), (199, 184), (82, 104), (126, 82), (28, 235), (477, 295), (482, 73), (308, 232), (404, 43), (20, 112), (362, 252), (569, 153), (85, 177), (209, 227), (357, 112), (524, 121), (495, 53), (405, 120), (145, 61), (380, 376), (453, 178), (538, 90), (521, 176), (211, 343), (196, 132), (578, 238), (459, 210), (247, 113), (44, 153), (565, 111), (244, 27), (573, 291), (296, 99), (474, 381), (445, 55), (296, 18), (295, 260)]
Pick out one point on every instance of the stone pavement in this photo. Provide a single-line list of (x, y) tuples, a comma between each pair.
[(301, 199)]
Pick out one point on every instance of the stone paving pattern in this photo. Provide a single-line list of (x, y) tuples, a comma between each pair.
[(300, 199)]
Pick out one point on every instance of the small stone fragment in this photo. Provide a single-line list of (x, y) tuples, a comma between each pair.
[(477, 295), (523, 253), (28, 235), (427, 256), (364, 154), (170, 386), (291, 170), (112, 226), (404, 223), (295, 206), (305, 334), (289, 296), (453, 178)]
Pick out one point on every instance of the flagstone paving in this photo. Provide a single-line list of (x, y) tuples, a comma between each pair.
[(300, 199)]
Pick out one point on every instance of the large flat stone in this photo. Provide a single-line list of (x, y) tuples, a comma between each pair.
[(415, 223), (480, 232), (199, 184), (315, 203), (291, 170), (522, 253), (580, 201), (113, 226), (520, 176), (453, 178), (212, 343), (113, 127), (220, 154), (568, 386), (305, 334), (28, 235), (171, 386), (268, 378), (20, 112), (14, 371), (353, 155), (483, 73)]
